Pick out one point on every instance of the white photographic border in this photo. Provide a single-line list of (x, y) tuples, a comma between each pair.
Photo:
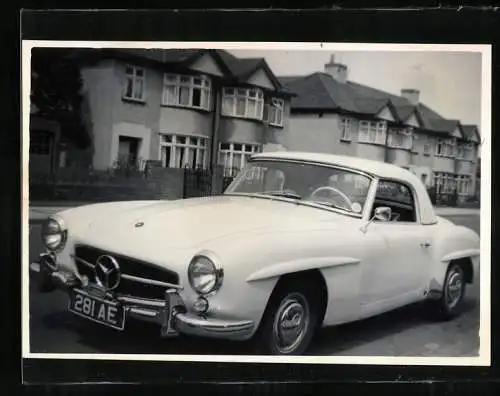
[(484, 356)]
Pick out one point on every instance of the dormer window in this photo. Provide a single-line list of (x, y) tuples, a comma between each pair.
[(243, 103), (134, 85), (186, 91)]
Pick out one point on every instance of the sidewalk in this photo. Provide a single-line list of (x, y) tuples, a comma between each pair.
[(40, 211), (457, 211)]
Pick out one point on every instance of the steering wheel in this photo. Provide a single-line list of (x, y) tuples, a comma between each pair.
[(329, 188)]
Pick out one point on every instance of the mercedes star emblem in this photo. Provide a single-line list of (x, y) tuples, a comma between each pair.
[(107, 272)]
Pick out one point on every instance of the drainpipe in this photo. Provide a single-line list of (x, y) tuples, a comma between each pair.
[(216, 98), (386, 144)]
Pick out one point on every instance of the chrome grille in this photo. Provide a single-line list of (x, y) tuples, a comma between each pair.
[(138, 278)]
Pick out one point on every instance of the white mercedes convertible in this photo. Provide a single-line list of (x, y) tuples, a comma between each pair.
[(298, 241)]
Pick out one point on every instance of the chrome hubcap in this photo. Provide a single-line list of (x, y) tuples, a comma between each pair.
[(291, 322), (454, 288)]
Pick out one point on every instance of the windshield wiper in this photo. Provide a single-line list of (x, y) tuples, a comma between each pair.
[(284, 194), (332, 205)]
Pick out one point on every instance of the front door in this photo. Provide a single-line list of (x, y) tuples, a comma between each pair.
[(128, 148), (396, 276)]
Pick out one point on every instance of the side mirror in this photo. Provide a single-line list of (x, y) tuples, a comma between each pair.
[(383, 213)]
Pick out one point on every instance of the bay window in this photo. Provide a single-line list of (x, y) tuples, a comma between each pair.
[(186, 91), (400, 138), (179, 151), (444, 182), (234, 156), (372, 132), (464, 184), (243, 103), (469, 152), (134, 83), (274, 112), (446, 148)]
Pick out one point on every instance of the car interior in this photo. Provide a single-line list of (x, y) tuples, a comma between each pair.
[(399, 198)]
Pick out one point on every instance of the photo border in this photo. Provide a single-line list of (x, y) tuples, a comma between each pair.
[(484, 357)]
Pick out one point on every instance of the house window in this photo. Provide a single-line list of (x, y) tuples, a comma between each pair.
[(427, 146), (243, 103), (345, 128), (451, 147), (372, 132), (274, 112), (186, 91), (439, 147), (183, 151), (134, 86), (234, 156), (460, 151), (446, 148), (469, 152), (444, 182), (400, 139)]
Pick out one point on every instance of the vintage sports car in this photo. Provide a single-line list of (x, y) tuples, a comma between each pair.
[(296, 242)]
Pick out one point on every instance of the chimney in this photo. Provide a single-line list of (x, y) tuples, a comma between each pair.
[(337, 70), (412, 95)]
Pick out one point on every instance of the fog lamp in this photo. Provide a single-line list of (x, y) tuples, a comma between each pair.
[(201, 305)]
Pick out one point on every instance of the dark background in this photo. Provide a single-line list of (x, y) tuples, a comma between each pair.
[(438, 25)]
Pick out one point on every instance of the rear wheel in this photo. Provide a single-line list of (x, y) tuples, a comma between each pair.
[(290, 320), (451, 302)]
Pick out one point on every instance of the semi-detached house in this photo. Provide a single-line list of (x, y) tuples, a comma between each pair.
[(334, 115), (184, 107)]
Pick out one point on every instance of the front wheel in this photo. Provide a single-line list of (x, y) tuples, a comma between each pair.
[(290, 320)]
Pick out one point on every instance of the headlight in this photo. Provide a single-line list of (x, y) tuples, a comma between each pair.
[(205, 273), (54, 234)]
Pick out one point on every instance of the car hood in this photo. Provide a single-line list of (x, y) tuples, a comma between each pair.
[(191, 222)]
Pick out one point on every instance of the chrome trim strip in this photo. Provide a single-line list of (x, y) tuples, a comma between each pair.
[(212, 327), (141, 301), (143, 312), (150, 281), (80, 260)]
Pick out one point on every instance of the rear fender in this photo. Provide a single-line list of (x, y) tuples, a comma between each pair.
[(453, 244)]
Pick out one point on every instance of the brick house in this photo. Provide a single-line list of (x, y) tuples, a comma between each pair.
[(183, 107), (334, 115)]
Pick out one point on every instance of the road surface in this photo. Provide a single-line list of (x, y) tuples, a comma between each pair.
[(405, 332)]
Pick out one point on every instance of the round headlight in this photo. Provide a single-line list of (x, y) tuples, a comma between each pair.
[(205, 275), (54, 234)]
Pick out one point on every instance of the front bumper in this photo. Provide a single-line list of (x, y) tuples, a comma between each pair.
[(170, 314)]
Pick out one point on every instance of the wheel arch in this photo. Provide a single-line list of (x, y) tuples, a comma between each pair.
[(308, 275)]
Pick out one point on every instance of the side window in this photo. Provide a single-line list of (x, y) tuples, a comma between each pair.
[(399, 198)]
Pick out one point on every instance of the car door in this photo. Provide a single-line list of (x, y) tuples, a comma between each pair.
[(397, 275)]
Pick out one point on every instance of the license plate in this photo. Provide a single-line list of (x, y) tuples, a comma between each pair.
[(108, 313)]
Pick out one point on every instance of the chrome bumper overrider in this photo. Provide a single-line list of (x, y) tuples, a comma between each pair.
[(170, 314)]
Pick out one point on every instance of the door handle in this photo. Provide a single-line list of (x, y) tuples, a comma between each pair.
[(425, 244)]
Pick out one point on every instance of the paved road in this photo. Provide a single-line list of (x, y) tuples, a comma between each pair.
[(405, 332)]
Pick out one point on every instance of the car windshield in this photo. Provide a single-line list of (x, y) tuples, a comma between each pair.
[(303, 182)]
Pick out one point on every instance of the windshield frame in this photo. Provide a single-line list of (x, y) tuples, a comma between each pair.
[(366, 206)]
